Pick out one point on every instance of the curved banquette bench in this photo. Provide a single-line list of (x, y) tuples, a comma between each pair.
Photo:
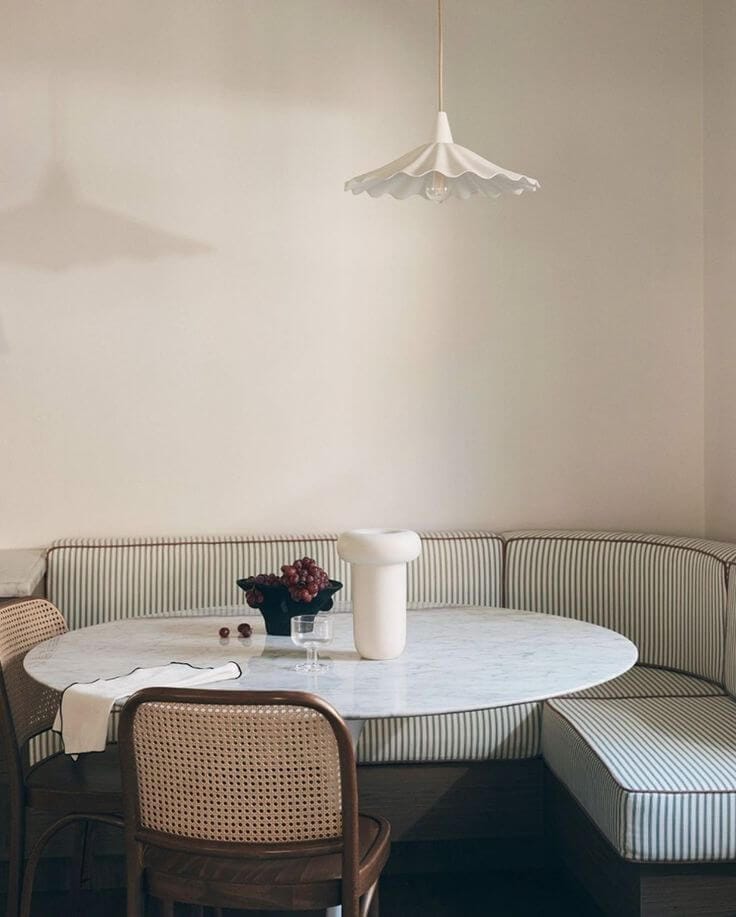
[(648, 760)]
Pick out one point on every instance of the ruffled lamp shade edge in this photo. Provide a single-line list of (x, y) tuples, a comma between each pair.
[(463, 172)]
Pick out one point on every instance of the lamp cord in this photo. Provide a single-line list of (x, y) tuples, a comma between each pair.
[(440, 58)]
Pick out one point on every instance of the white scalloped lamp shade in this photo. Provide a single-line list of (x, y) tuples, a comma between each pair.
[(440, 170)]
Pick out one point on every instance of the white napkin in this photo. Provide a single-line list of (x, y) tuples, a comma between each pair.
[(85, 708)]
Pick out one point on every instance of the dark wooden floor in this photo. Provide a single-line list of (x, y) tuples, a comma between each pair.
[(469, 895)]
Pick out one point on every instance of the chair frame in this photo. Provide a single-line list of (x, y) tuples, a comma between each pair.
[(136, 835), (17, 774), (20, 879), (17, 792)]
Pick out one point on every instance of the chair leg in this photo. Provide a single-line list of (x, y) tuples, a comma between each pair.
[(40, 845), (88, 861), (79, 855), (135, 900), (351, 907), (17, 842), (369, 904)]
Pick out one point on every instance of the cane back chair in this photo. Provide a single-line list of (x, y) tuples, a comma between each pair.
[(64, 790), (247, 800)]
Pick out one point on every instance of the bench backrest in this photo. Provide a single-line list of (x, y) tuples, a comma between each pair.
[(674, 597), (96, 580), (668, 595)]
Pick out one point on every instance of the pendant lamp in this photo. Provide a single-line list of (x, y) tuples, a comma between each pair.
[(442, 168)]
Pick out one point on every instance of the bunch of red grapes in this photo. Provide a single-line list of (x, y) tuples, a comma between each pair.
[(304, 579), (254, 596)]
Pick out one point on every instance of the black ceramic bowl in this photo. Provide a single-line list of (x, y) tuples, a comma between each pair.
[(279, 608)]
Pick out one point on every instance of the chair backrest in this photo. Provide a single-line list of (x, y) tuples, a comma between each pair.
[(31, 706), (233, 771)]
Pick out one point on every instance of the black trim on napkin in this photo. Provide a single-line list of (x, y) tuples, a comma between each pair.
[(137, 668)]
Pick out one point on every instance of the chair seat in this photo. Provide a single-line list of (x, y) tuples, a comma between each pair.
[(252, 882), (64, 786), (657, 775)]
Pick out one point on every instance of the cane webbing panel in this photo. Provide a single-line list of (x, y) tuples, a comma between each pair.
[(22, 626), (249, 774)]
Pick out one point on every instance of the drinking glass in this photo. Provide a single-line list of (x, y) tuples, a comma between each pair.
[(311, 632)]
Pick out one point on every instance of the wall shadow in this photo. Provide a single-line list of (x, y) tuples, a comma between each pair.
[(58, 230)]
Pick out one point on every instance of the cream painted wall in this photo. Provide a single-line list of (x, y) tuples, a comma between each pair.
[(228, 342), (720, 265)]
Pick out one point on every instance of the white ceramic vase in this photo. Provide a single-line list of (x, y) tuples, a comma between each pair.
[(378, 559)]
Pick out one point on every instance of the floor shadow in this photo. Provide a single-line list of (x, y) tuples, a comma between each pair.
[(483, 894), (59, 230)]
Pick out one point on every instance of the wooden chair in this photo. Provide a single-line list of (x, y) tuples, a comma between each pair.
[(247, 800), (57, 786)]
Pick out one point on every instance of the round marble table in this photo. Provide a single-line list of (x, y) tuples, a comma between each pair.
[(456, 659)]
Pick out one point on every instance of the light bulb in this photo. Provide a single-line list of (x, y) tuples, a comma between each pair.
[(437, 189)]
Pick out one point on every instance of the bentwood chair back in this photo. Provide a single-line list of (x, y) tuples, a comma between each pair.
[(26, 709), (245, 799), (31, 707), (71, 793)]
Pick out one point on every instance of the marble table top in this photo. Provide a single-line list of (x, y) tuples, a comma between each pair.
[(456, 659)]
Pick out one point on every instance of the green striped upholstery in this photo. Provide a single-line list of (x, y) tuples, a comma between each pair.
[(504, 733), (644, 681), (656, 775), (729, 668), (96, 580), (668, 595)]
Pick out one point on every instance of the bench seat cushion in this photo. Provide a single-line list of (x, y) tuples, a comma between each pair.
[(657, 775)]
